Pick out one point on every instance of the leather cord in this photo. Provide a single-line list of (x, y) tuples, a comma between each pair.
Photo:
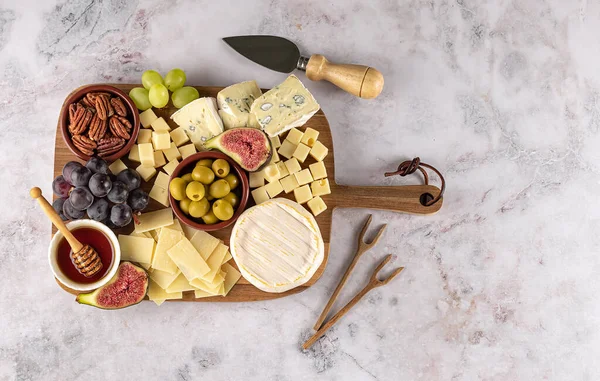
[(409, 167)]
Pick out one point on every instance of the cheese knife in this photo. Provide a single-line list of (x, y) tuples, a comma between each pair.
[(280, 54)]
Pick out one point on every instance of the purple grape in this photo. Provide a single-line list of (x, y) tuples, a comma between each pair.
[(61, 187), (97, 165), (68, 169), (100, 184), (99, 210), (120, 215), (138, 199), (58, 208), (130, 178), (81, 176), (81, 198), (70, 212), (118, 194)]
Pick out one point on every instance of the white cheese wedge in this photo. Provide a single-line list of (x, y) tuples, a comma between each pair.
[(277, 245), (284, 107), (200, 120), (234, 103)]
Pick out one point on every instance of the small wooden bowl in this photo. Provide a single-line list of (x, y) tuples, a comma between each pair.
[(243, 190), (79, 93)]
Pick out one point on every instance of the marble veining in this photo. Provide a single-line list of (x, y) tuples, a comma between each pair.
[(501, 284)]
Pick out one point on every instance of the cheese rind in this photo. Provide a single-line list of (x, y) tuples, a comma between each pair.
[(235, 101), (200, 120)]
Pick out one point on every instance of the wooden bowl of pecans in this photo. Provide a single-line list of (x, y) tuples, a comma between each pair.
[(99, 120)]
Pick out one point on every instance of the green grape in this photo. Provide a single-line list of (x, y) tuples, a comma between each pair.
[(139, 95), (175, 79), (183, 96), (151, 77), (158, 95)]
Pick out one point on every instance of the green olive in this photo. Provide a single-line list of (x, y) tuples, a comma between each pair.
[(203, 174), (184, 205), (232, 180), (231, 198), (204, 163), (177, 188), (222, 210), (199, 208), (221, 168), (187, 177), (210, 218), (207, 194), (195, 191), (219, 188)]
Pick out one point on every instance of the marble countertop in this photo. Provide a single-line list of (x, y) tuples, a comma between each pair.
[(501, 284)]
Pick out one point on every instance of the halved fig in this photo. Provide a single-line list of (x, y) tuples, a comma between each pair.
[(249, 147), (126, 288)]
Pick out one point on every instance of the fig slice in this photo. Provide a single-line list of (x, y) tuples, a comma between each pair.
[(249, 147), (126, 288)]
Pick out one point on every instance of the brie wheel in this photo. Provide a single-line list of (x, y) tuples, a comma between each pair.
[(277, 245)]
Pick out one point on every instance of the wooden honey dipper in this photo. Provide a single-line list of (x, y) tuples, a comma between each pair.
[(85, 258)]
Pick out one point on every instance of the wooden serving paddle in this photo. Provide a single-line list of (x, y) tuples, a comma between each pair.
[(85, 258)]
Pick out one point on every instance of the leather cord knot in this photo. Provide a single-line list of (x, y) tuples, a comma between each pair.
[(409, 167)]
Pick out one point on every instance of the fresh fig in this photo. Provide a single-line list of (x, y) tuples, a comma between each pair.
[(126, 288), (249, 147)]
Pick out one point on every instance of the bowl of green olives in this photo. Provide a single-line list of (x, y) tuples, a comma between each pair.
[(208, 191)]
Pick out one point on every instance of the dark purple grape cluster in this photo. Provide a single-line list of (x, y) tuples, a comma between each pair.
[(108, 198)]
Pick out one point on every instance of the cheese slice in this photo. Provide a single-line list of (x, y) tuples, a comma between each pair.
[(231, 277), (204, 243), (276, 257), (136, 249), (180, 284), (200, 120), (163, 278), (284, 107), (187, 259), (227, 257), (154, 220), (167, 238), (214, 261), (210, 288), (159, 295), (202, 294), (234, 103)]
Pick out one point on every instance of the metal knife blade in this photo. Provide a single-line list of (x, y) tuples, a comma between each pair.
[(275, 53)]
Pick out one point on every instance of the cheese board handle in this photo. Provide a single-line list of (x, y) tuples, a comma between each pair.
[(363, 81), (405, 198)]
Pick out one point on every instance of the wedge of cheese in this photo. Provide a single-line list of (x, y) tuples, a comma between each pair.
[(235, 101), (200, 120), (284, 107)]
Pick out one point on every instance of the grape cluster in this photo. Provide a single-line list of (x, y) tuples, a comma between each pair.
[(155, 92), (94, 189)]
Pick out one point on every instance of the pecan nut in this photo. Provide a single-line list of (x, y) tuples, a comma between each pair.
[(103, 107), (84, 144), (119, 107), (108, 146), (98, 128), (86, 102), (80, 121), (92, 96), (120, 126), (73, 107)]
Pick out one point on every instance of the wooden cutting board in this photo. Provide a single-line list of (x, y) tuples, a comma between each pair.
[(397, 198)]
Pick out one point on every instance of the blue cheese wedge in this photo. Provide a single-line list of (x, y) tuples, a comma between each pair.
[(284, 107), (234, 103), (200, 120), (277, 245)]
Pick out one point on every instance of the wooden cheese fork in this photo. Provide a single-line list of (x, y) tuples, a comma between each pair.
[(85, 258), (374, 282)]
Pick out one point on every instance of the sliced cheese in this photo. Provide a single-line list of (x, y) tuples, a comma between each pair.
[(231, 277), (202, 294), (234, 103), (227, 257), (136, 249), (214, 261), (180, 284), (159, 194), (163, 278), (204, 243), (211, 288), (200, 120), (167, 239), (162, 180), (159, 295), (154, 220), (187, 259)]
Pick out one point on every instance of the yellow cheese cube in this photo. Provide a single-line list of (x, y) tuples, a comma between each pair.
[(161, 140), (160, 125), (302, 194), (274, 188), (318, 170), (292, 165), (303, 177), (294, 136), (283, 172), (159, 194), (260, 195), (274, 157), (136, 249), (271, 173), (147, 117), (310, 137), (320, 187), (275, 142), (159, 159), (187, 150), (146, 154), (301, 152), (162, 180), (134, 153), (172, 153), (117, 166), (187, 259), (144, 136), (257, 179), (287, 149), (317, 205), (170, 166), (179, 136), (146, 172), (319, 151), (154, 220), (289, 183)]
